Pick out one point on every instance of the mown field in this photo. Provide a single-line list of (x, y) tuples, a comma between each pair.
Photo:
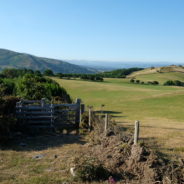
[(159, 108)]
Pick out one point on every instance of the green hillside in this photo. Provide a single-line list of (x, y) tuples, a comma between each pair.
[(10, 59), (161, 77), (160, 74)]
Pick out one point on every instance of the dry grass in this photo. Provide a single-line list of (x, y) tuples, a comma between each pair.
[(156, 70), (17, 165)]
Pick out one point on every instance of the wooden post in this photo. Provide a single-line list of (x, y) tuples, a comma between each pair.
[(43, 102), (136, 133), (106, 123), (89, 121), (78, 114), (82, 108)]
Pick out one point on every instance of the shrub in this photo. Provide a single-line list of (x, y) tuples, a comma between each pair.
[(169, 83), (8, 121), (34, 87), (155, 83), (137, 81), (90, 169), (7, 105), (48, 72), (14, 73), (31, 90), (132, 80), (55, 90), (178, 83), (6, 87)]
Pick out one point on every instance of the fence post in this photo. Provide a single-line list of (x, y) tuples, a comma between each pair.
[(77, 114), (82, 108), (106, 123), (52, 114), (43, 102), (89, 121), (136, 132)]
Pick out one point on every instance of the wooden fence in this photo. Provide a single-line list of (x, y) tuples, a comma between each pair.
[(40, 114)]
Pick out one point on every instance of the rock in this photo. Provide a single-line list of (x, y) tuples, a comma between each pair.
[(72, 171), (40, 156)]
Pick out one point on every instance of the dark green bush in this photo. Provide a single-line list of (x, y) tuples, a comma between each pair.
[(155, 82), (8, 122), (6, 87), (29, 88), (34, 87), (48, 72), (7, 105), (174, 83), (14, 73), (178, 83)]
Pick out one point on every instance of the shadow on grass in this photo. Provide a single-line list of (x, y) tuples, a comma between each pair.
[(108, 112), (42, 142), (118, 116)]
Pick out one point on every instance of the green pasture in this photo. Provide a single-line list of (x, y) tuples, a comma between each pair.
[(129, 101), (161, 77), (159, 108)]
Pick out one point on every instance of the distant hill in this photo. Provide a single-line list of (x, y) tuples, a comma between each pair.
[(161, 74), (11, 59)]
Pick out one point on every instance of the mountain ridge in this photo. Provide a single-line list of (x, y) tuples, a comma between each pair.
[(12, 59)]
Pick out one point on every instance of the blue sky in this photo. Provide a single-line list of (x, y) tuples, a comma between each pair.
[(108, 30)]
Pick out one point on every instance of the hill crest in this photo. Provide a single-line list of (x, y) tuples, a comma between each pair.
[(11, 59), (154, 70)]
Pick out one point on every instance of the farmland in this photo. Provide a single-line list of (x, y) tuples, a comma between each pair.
[(159, 108), (161, 77)]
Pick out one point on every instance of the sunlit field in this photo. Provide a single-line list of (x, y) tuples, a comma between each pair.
[(159, 108)]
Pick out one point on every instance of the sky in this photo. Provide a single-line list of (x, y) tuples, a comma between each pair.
[(104, 30)]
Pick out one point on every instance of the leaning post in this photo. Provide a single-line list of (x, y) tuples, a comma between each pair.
[(136, 132)]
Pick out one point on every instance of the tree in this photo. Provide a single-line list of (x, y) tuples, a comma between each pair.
[(48, 72)]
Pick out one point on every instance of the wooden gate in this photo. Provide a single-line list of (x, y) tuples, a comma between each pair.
[(40, 114)]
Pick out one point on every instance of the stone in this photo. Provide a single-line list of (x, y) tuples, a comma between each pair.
[(40, 156)]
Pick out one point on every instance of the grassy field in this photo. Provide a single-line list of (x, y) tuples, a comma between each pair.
[(18, 164), (161, 77), (159, 108)]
